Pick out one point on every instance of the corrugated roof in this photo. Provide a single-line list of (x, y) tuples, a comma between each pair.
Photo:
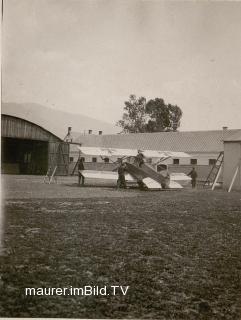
[(54, 120), (189, 141)]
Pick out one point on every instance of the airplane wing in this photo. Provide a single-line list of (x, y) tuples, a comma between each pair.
[(179, 177), (108, 152), (110, 175), (154, 185), (175, 185), (164, 154), (106, 175)]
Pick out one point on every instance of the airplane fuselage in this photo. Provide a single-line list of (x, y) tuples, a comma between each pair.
[(146, 171)]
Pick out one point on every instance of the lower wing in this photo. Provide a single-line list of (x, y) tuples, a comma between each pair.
[(110, 175), (154, 185), (106, 175), (179, 177)]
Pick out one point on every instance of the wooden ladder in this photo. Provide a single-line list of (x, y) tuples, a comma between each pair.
[(215, 171), (50, 175), (76, 165)]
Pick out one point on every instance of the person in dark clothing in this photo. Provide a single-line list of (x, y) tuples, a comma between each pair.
[(121, 182), (193, 175), (140, 158), (81, 168)]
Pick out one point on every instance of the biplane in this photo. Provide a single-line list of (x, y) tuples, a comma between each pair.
[(152, 176)]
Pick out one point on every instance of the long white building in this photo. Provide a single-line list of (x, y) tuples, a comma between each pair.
[(203, 147)]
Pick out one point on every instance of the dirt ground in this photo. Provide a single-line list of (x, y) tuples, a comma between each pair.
[(178, 251)]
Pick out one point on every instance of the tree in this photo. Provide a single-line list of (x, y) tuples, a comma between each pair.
[(151, 116), (163, 117), (134, 116)]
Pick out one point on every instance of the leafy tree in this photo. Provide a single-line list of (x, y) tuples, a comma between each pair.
[(134, 117), (151, 116), (163, 117)]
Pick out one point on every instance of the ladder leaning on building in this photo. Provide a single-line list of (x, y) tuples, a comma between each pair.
[(215, 171)]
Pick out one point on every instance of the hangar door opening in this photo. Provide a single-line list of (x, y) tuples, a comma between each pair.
[(22, 156)]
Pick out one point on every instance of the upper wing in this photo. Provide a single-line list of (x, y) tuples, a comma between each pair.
[(108, 152), (164, 154)]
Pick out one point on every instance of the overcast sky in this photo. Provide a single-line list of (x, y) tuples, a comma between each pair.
[(89, 56)]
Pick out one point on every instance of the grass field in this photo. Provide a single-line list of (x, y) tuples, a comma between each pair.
[(180, 251)]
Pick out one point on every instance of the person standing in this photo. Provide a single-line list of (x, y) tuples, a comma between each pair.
[(140, 158), (81, 167), (193, 175), (121, 182)]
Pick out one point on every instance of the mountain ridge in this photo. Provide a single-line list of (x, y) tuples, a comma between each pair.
[(56, 121)]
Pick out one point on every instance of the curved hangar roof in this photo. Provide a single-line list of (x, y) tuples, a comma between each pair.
[(55, 121), (14, 127)]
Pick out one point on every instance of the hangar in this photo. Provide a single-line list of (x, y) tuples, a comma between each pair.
[(32, 137), (28, 148)]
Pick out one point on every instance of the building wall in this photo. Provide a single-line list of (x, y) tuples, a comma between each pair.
[(232, 156)]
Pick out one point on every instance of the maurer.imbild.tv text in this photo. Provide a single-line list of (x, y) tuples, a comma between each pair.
[(83, 291)]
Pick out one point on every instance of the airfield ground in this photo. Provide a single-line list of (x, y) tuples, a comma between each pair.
[(180, 251)]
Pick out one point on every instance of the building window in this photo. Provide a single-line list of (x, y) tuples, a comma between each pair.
[(107, 160), (94, 159), (82, 159), (212, 162), (175, 161), (193, 161), (71, 159)]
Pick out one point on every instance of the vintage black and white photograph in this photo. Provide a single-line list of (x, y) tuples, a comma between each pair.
[(120, 159)]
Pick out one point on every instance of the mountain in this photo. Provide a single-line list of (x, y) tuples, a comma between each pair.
[(56, 121)]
